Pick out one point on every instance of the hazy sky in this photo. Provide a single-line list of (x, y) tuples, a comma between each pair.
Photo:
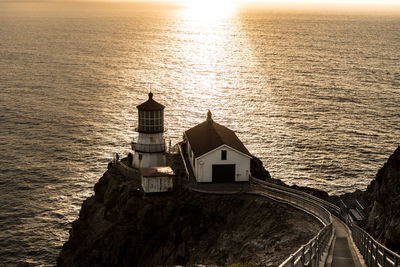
[(362, 2), (195, 7), (383, 2), (221, 2)]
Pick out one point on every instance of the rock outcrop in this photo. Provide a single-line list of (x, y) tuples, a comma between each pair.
[(382, 203), (257, 169), (120, 226)]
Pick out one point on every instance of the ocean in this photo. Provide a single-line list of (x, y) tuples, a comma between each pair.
[(313, 94)]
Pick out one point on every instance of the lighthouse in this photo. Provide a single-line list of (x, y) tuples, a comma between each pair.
[(150, 146)]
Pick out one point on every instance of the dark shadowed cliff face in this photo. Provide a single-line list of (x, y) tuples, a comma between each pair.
[(257, 169), (383, 203), (119, 226)]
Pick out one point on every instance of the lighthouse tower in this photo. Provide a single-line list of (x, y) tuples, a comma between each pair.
[(150, 146)]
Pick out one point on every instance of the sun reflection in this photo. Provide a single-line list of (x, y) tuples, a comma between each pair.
[(207, 29), (209, 10)]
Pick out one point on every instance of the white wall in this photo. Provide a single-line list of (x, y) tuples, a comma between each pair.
[(148, 160), (151, 138), (157, 184), (203, 172)]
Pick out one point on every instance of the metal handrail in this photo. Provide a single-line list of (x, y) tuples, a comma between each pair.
[(309, 254), (305, 201), (374, 253), (335, 210), (359, 208)]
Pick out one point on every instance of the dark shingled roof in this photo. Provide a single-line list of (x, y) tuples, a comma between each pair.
[(150, 104), (209, 135)]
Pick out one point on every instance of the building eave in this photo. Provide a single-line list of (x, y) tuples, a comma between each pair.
[(224, 145)]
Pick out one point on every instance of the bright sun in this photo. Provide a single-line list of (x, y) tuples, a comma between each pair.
[(209, 9)]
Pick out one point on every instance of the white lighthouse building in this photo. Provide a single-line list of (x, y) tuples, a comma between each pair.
[(150, 146)]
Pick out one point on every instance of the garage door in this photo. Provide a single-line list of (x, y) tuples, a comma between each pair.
[(223, 173)]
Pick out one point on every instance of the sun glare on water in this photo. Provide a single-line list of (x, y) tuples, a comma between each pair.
[(209, 9)]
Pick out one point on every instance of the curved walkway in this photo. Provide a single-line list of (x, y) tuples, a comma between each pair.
[(342, 256), (344, 251)]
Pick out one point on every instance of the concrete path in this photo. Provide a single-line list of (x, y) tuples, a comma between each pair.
[(343, 254)]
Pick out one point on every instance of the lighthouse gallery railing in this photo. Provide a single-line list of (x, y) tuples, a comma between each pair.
[(148, 148)]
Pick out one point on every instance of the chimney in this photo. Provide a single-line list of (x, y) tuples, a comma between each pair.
[(209, 118)]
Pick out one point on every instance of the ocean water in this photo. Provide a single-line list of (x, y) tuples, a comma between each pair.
[(314, 95)]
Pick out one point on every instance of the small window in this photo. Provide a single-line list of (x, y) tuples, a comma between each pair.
[(223, 154)]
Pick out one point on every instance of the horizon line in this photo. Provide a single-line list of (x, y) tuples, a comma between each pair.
[(246, 2)]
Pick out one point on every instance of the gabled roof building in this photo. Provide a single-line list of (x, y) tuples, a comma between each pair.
[(216, 154)]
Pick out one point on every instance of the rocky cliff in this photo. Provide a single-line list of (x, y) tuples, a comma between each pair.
[(382, 203), (120, 226), (257, 170)]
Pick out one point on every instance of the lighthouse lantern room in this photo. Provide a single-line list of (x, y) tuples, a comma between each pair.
[(150, 146)]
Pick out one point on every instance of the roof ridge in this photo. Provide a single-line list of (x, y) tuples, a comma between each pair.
[(216, 132), (206, 136)]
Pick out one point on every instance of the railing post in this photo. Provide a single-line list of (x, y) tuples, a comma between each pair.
[(292, 260), (370, 252), (314, 255), (383, 257), (366, 249), (317, 249), (364, 245)]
